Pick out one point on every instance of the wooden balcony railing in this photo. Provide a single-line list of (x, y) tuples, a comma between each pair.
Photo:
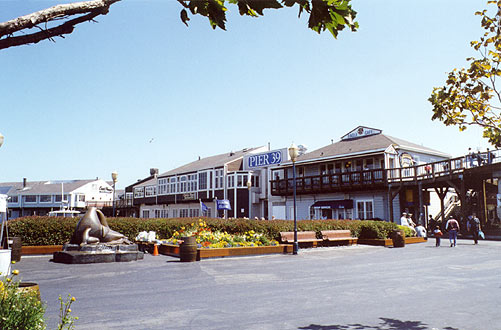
[(378, 178), (330, 182)]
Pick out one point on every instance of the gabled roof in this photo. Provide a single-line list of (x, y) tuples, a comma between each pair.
[(43, 187), (370, 144), (213, 162)]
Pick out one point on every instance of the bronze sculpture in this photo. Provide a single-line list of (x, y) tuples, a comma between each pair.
[(93, 229), (94, 241)]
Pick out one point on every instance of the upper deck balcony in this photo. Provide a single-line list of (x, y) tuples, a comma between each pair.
[(380, 178), (335, 182)]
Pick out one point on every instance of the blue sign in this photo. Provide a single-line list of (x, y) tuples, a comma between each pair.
[(270, 158), (223, 204)]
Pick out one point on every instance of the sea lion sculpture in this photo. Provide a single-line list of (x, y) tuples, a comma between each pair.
[(93, 229)]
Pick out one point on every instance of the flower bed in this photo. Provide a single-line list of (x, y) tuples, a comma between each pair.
[(206, 238)]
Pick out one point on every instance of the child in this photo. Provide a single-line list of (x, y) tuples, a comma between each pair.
[(437, 234)]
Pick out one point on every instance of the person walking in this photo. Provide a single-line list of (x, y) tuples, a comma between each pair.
[(438, 234), (474, 227), (452, 226)]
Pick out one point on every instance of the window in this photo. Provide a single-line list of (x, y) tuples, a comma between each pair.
[(255, 181), (139, 192), (192, 184), (45, 198), (219, 179), (162, 186), (151, 191), (183, 213), (202, 181), (30, 199), (81, 198), (193, 213), (231, 181), (157, 213), (172, 184), (146, 213), (58, 198), (365, 210), (13, 199)]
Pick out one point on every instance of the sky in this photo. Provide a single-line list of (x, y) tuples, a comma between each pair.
[(140, 90)]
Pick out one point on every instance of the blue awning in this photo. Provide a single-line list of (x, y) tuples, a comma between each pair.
[(335, 204)]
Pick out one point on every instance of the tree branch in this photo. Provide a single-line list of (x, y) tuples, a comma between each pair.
[(65, 28), (49, 14)]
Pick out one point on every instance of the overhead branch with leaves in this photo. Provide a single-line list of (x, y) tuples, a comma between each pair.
[(57, 21), (471, 96)]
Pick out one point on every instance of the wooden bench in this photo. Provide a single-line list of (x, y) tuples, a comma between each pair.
[(303, 237), (336, 236)]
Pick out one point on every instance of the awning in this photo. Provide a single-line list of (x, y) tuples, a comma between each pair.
[(336, 204)]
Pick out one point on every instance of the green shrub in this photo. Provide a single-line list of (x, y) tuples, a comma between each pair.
[(407, 230), (56, 230), (19, 309)]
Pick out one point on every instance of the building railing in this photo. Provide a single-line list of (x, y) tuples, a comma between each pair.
[(329, 182), (382, 177)]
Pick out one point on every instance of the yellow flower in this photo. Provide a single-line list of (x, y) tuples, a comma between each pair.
[(13, 261), (15, 272), (69, 310), (8, 280), (73, 299)]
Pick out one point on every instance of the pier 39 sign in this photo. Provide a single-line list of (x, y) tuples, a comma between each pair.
[(264, 159)]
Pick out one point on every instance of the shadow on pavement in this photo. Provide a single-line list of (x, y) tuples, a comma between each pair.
[(386, 324)]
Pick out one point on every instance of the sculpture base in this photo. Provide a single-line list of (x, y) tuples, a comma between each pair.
[(97, 253)]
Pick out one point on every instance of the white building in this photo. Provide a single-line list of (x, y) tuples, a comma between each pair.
[(41, 197), (348, 179), (180, 192)]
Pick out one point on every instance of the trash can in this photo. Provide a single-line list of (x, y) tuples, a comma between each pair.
[(398, 238), (188, 250)]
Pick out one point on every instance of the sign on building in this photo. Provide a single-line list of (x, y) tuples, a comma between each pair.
[(265, 159)]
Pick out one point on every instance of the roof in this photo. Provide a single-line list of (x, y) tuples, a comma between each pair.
[(371, 144), (43, 187), (213, 162)]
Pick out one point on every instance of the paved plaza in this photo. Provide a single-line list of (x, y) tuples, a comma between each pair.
[(341, 288)]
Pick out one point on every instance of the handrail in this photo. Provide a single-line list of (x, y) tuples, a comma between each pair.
[(442, 168)]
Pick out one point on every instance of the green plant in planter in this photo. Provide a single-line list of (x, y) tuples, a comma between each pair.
[(19, 309), (407, 230)]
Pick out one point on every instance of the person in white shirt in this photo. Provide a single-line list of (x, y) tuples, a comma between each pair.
[(420, 230), (403, 220)]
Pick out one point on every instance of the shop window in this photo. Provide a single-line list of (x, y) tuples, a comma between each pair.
[(365, 210)]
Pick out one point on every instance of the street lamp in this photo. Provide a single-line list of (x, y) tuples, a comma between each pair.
[(249, 185), (293, 153), (114, 177)]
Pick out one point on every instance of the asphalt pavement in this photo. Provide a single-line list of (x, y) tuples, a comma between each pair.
[(417, 287)]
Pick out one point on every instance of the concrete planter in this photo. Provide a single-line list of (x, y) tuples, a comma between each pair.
[(389, 242), (174, 250), (5, 255)]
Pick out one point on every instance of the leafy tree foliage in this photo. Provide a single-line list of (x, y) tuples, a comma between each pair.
[(331, 15), (470, 95)]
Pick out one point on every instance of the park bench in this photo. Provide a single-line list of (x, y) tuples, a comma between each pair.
[(303, 237), (338, 236)]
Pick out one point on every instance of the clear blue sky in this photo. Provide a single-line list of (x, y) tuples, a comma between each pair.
[(90, 103)]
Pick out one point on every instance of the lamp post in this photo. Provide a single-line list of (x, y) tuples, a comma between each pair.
[(293, 153), (114, 177), (249, 185)]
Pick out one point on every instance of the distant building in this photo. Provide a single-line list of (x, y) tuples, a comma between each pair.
[(348, 179), (41, 197)]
